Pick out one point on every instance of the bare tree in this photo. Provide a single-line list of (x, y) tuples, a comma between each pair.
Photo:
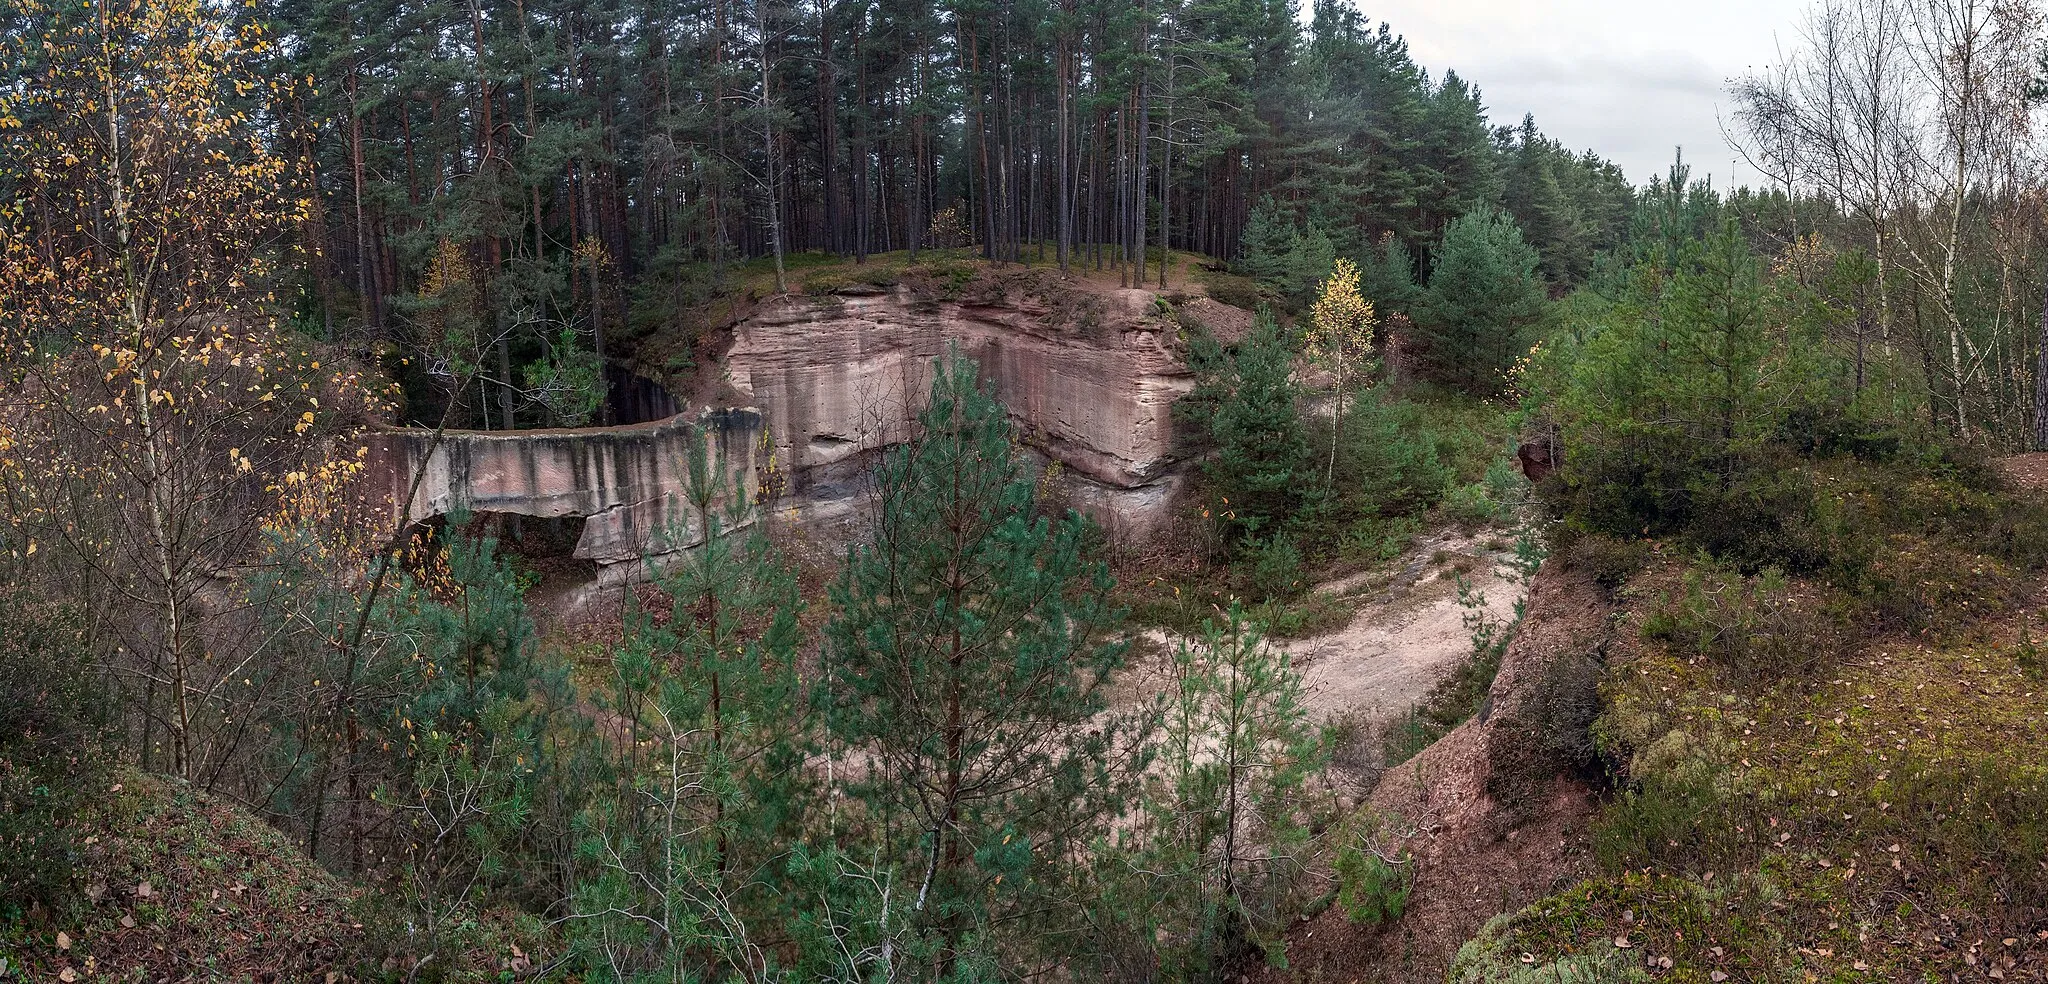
[(1914, 118)]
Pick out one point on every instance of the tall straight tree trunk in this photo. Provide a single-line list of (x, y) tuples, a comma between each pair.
[(768, 149), (2041, 376), (486, 156), (1138, 209), (1166, 179), (366, 265), (861, 204), (836, 237)]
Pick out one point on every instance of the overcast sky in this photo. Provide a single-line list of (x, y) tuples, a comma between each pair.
[(1628, 79)]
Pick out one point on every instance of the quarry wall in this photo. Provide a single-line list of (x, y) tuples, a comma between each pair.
[(627, 483), (1090, 377)]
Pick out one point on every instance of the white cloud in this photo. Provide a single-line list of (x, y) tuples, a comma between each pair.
[(1630, 81)]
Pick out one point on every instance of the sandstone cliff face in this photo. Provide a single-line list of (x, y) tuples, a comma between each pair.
[(627, 483), (1089, 375)]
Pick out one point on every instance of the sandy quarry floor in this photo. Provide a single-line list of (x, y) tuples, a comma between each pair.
[(1409, 629), (1407, 632)]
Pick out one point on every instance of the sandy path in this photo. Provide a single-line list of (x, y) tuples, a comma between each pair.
[(1409, 630), (1406, 633)]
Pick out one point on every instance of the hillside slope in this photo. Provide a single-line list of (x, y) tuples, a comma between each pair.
[(1814, 777), (1486, 824), (180, 886)]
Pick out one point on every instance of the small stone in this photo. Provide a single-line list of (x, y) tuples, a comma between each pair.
[(63, 940), (1622, 943)]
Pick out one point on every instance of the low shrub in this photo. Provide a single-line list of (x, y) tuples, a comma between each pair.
[(1372, 889), (1660, 817), (1275, 567), (1756, 626), (1232, 289), (53, 753), (1610, 560)]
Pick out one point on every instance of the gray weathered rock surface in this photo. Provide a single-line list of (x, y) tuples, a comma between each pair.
[(628, 483)]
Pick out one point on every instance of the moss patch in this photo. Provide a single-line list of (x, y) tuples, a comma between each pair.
[(1885, 819)]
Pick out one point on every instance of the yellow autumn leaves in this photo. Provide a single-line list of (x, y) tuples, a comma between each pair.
[(1339, 341), (1341, 322)]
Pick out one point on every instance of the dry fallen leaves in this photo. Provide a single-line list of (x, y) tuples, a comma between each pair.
[(63, 940)]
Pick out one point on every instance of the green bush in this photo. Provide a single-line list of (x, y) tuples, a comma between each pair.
[(1275, 567), (1662, 817), (1610, 560), (1370, 888), (1376, 539), (53, 754), (1551, 733), (1389, 458)]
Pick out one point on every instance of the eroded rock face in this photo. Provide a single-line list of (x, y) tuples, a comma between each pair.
[(629, 484), (1090, 378)]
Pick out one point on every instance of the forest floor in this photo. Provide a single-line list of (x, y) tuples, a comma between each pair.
[(2027, 470)]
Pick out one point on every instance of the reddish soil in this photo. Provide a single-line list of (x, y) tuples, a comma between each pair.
[(1474, 857)]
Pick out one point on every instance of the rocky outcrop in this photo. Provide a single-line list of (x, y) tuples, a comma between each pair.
[(1090, 376), (628, 483)]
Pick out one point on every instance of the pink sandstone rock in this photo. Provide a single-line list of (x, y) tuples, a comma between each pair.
[(1090, 379)]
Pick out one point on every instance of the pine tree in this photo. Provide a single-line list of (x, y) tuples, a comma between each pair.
[(1226, 844), (967, 670), (687, 863), (1677, 402), (1310, 257), (1268, 235), (1262, 469), (1483, 296), (1386, 276)]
